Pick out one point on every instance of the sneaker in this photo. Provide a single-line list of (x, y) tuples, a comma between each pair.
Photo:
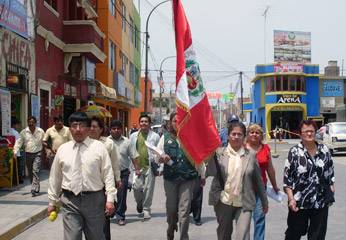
[(121, 222), (146, 215)]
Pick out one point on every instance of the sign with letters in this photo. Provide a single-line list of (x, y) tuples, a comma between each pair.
[(289, 98), (333, 88)]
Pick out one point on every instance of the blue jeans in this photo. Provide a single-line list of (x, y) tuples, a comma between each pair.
[(122, 194), (259, 220)]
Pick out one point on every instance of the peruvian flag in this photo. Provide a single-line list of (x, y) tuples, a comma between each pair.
[(196, 126)]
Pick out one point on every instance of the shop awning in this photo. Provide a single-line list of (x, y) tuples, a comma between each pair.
[(103, 91)]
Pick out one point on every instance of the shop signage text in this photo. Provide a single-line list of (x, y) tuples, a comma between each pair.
[(288, 67), (15, 50), (286, 98), (333, 88)]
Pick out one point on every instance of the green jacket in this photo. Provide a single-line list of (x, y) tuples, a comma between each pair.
[(181, 169)]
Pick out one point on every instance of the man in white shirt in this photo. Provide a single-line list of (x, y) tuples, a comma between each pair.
[(80, 172), (31, 138), (15, 125), (54, 137), (144, 184)]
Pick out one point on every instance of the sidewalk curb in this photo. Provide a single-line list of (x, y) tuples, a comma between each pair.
[(21, 227)]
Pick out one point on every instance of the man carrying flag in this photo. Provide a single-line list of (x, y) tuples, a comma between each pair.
[(193, 137)]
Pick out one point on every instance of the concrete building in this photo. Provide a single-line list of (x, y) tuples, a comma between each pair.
[(284, 94), (332, 92), (120, 22), (68, 45)]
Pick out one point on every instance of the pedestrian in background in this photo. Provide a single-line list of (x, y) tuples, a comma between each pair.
[(80, 172), (179, 179), (31, 138), (254, 143), (224, 132), (144, 184), (309, 185), (97, 128), (197, 200), (232, 193), (127, 155), (54, 137), (15, 125)]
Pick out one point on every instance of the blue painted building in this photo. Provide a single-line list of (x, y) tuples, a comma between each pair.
[(284, 94)]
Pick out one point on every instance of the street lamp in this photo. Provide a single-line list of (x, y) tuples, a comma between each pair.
[(146, 57), (161, 84)]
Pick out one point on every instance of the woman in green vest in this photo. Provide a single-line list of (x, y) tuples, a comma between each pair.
[(180, 176)]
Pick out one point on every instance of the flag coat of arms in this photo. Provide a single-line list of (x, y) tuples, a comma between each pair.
[(197, 132)]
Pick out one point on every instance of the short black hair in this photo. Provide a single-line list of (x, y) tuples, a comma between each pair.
[(116, 123), (79, 117), (14, 121), (145, 116), (233, 125), (172, 115), (32, 118), (58, 118)]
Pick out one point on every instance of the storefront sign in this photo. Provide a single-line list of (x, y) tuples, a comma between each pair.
[(13, 16), (67, 89), (5, 106), (287, 98), (328, 102), (333, 88), (19, 52), (285, 109), (288, 67)]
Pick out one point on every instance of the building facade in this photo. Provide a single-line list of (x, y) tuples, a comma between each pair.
[(285, 94), (68, 45), (332, 92), (120, 22)]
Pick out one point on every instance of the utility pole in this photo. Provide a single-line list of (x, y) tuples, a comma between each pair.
[(342, 67), (265, 13), (241, 95)]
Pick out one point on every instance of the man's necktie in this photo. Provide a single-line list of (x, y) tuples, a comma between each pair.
[(77, 178)]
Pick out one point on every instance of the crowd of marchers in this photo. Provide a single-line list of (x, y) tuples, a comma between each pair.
[(91, 173)]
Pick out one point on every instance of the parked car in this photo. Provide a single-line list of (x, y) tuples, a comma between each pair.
[(335, 137)]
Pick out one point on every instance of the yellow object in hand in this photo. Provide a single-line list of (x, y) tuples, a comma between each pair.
[(52, 216)]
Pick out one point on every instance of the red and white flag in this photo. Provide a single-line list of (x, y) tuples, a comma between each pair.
[(196, 126)]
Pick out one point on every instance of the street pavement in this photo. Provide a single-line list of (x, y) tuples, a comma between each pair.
[(156, 228)]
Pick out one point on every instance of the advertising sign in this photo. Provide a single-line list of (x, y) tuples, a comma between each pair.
[(13, 16), (292, 46), (288, 67), (328, 102), (288, 98), (5, 106), (333, 88)]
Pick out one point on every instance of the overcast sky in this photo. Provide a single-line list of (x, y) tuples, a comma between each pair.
[(228, 35)]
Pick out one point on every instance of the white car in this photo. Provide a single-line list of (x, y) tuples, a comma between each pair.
[(335, 137)]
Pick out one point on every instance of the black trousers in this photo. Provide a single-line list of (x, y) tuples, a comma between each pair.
[(196, 204), (310, 221)]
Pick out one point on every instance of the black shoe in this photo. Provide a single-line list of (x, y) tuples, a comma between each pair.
[(34, 193), (139, 209), (198, 223)]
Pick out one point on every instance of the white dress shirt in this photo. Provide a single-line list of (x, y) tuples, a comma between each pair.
[(114, 155), (32, 141), (96, 167)]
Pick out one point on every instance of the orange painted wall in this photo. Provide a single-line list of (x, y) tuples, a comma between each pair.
[(136, 112)]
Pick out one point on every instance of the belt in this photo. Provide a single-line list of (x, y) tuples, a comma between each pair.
[(68, 192)]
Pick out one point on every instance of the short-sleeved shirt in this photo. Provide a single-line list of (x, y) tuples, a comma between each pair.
[(307, 175), (263, 158), (57, 137)]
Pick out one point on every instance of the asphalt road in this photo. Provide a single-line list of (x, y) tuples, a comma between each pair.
[(155, 229)]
